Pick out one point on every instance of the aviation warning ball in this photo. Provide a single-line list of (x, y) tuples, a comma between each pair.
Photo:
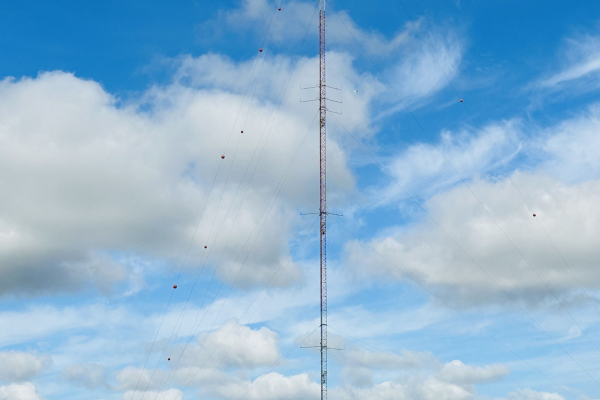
[(169, 359), (461, 100), (534, 215), (260, 50), (279, 8), (174, 286), (222, 157), (205, 247), (242, 132)]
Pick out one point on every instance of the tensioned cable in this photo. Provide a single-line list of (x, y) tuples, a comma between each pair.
[(154, 341), (179, 322), (465, 388), (499, 160), (274, 365), (475, 196), (564, 308), (504, 167), (414, 280), (201, 216), (181, 268), (274, 278), (274, 197), (382, 168), (284, 90), (281, 184)]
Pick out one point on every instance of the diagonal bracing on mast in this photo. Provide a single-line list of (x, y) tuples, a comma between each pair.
[(323, 197)]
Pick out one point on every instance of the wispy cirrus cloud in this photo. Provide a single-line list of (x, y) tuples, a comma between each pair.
[(580, 66)]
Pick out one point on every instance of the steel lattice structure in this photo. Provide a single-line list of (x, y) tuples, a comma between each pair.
[(323, 199)]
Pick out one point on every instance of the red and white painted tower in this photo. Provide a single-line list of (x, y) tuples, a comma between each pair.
[(323, 198)]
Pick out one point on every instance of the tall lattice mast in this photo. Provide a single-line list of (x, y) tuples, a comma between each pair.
[(323, 199)]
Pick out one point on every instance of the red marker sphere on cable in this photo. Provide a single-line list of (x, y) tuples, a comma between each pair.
[(242, 132), (169, 359), (174, 286), (205, 247), (279, 8), (260, 50), (222, 157), (461, 100), (534, 215)]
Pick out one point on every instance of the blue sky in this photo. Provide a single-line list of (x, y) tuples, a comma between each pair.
[(442, 284)]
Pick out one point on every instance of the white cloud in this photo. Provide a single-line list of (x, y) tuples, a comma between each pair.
[(42, 322), (185, 377), (387, 360), (20, 366), (413, 388), (88, 375), (424, 169), (457, 372), (92, 176), (561, 190), (273, 386), (419, 375), (170, 394), (419, 59), (132, 378), (19, 391), (290, 25), (581, 65), (357, 376), (426, 66), (111, 178), (382, 391), (528, 394), (233, 345), (566, 211), (569, 147)]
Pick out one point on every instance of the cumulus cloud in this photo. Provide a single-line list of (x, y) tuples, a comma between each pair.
[(19, 391), (273, 386), (21, 366), (234, 345), (387, 360), (419, 375), (183, 376), (528, 394), (132, 378), (421, 57), (90, 177), (414, 388), (429, 379), (457, 372), (45, 321), (231, 347), (476, 216), (428, 255), (360, 365), (291, 25), (88, 375), (568, 148), (171, 394)]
